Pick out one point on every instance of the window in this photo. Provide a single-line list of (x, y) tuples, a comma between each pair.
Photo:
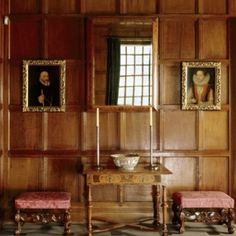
[(135, 84)]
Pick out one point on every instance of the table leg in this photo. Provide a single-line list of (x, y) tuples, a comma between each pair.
[(89, 211), (164, 211), (156, 205)]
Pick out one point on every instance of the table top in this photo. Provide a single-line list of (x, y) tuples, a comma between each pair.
[(140, 169)]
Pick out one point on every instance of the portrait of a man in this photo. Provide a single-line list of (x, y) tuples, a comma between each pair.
[(44, 84), (201, 85)]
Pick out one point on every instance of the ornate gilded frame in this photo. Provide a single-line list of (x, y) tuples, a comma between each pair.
[(186, 73), (51, 64)]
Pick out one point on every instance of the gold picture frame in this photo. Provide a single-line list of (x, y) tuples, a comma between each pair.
[(201, 86), (44, 85)]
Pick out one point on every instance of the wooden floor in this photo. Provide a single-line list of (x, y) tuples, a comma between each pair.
[(80, 230)]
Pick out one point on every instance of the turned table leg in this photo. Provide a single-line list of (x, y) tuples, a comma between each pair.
[(156, 205), (18, 222), (89, 211), (164, 211)]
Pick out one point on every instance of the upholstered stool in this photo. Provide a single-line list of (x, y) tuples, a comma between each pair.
[(203, 206), (43, 207)]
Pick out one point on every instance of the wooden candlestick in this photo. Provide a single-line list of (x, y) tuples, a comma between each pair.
[(151, 146), (152, 166), (98, 167)]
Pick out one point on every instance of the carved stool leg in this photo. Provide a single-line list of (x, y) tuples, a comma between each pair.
[(67, 222), (18, 222), (230, 221), (181, 218)]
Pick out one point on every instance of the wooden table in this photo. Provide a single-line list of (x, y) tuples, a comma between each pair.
[(140, 176)]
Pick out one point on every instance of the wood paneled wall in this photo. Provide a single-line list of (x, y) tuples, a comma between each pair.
[(42, 151)]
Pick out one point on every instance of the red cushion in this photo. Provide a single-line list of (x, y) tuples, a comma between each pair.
[(203, 199), (43, 200)]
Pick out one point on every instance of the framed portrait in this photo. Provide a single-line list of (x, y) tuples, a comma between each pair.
[(44, 85), (201, 86)]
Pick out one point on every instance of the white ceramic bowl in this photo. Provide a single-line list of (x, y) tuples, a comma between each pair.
[(126, 162)]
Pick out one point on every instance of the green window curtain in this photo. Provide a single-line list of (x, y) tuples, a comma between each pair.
[(113, 71)]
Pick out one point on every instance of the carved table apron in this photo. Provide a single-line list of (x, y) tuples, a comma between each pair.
[(140, 176)]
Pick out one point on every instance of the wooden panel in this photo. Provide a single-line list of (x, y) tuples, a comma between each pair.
[(137, 193), (212, 6), (100, 88), (65, 38), (224, 84), (28, 41), (75, 92), (26, 6), (1, 41), (177, 6), (233, 100), (179, 130), (213, 39), (214, 174), (101, 6), (214, 130), (135, 131), (3, 171), (25, 131), (15, 83), (1, 78), (62, 175), (177, 39), (170, 80), (106, 193), (24, 174), (101, 58), (232, 7), (185, 172), (63, 131), (138, 6), (109, 133), (63, 6), (101, 33)]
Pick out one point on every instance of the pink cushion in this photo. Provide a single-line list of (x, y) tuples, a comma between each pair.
[(203, 199), (43, 200)]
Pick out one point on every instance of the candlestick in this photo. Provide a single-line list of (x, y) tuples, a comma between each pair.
[(97, 117), (150, 116), (151, 146), (98, 147), (98, 167), (151, 138), (152, 165)]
